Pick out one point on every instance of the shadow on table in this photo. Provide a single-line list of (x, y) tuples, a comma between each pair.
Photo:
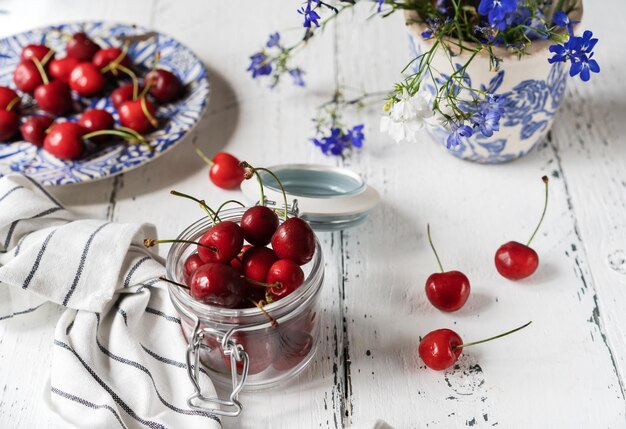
[(212, 133)]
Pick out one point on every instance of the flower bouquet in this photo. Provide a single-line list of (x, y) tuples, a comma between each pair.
[(486, 77)]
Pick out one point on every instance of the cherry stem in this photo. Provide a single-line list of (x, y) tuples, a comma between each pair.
[(165, 279), (543, 214), (254, 170), (217, 212), (42, 72), (432, 246), (203, 155), (119, 133), (150, 242), (138, 136), (212, 214), (133, 78), (47, 57), (157, 58), (149, 115), (12, 104), (113, 65), (492, 338), (259, 305), (254, 282)]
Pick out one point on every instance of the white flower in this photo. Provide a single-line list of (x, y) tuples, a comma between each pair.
[(407, 116)]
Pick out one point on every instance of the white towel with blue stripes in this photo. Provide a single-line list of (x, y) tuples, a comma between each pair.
[(119, 354)]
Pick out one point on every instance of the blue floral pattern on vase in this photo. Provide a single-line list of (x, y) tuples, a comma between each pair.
[(177, 119), (529, 108)]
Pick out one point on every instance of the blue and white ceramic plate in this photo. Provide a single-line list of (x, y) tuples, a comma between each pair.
[(176, 119)]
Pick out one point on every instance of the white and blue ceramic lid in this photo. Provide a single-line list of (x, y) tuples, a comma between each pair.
[(329, 198)]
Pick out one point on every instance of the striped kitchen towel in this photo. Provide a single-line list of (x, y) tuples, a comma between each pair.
[(119, 354)]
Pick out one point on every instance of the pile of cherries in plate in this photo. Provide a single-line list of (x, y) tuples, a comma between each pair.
[(60, 86), (251, 264), (449, 290)]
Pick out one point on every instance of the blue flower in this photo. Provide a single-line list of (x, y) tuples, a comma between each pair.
[(338, 141), (296, 74), (579, 51), (273, 40), (561, 19), (310, 16), (487, 116), (380, 5), (434, 24), (458, 131), (496, 10), (259, 65)]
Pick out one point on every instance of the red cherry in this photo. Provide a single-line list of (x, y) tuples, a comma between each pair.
[(294, 240), (96, 120), (225, 171), (447, 291), (440, 349), (65, 140), (257, 262), (191, 265), (7, 97), (259, 350), (34, 129), (122, 94), (253, 296), (287, 274), (81, 47), (516, 261), (86, 79), (217, 284), (164, 85), (227, 240), (293, 347), (236, 262), (258, 224), (26, 77), (37, 51), (54, 98), (104, 57), (61, 68), (132, 115), (9, 125)]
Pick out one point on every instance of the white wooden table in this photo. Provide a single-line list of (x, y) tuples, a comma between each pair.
[(565, 371)]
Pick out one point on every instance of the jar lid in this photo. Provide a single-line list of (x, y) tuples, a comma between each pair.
[(329, 198)]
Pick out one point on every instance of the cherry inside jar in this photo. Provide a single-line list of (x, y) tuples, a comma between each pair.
[(275, 353)]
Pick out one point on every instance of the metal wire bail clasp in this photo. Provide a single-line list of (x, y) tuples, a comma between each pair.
[(200, 402)]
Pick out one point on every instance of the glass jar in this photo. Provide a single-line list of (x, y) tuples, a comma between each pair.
[(243, 347)]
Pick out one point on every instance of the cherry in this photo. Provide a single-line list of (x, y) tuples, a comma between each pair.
[(287, 275), (65, 140), (41, 52), (516, 261), (86, 79), (293, 347), (96, 120), (9, 125), (191, 264), (257, 262), (225, 172), (122, 94), (26, 77), (294, 239), (236, 262), (164, 85), (106, 56), (54, 97), (138, 115), (227, 240), (34, 129), (81, 47), (258, 224), (9, 100), (217, 284), (441, 348), (61, 68), (447, 291)]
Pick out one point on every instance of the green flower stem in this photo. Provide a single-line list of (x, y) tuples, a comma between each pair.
[(492, 338)]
